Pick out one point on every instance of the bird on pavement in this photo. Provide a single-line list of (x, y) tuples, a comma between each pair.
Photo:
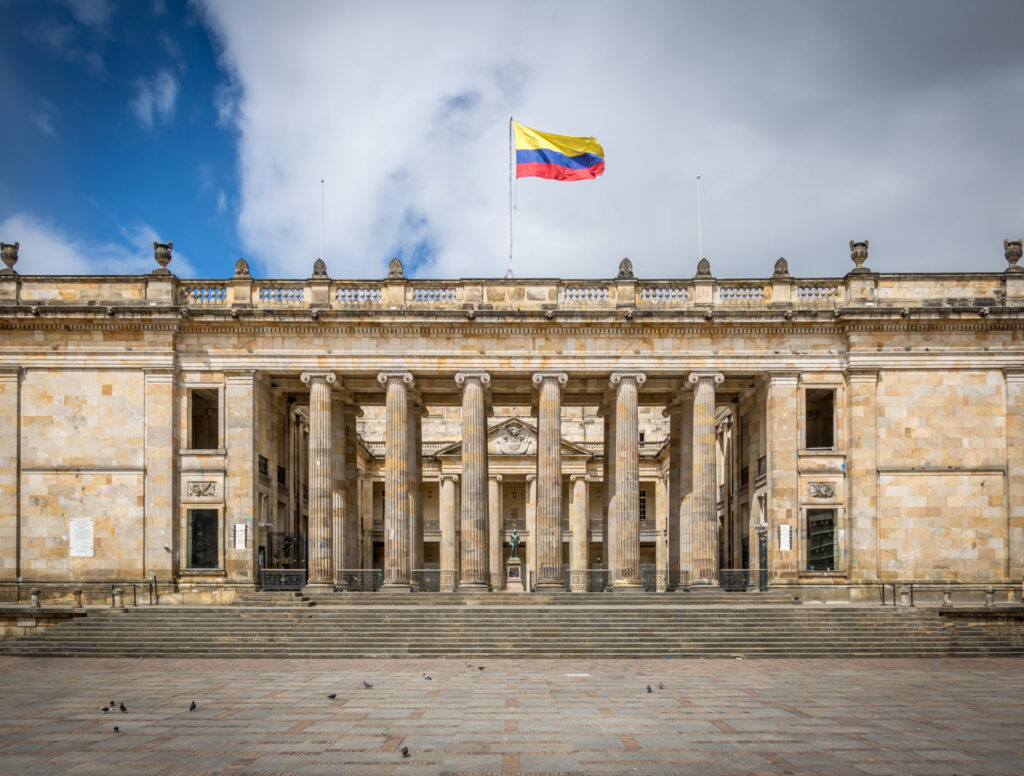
[(104, 709), (649, 689), (193, 707), (427, 676), (661, 686), (123, 707), (367, 684), (333, 695), (405, 751), (117, 729)]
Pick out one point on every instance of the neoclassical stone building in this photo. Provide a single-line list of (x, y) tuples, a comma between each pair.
[(832, 433)]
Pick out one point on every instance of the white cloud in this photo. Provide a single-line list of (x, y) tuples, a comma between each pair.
[(803, 140), (48, 250), (155, 99), (63, 40), (91, 13), (43, 118)]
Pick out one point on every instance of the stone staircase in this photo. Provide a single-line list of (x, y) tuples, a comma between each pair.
[(288, 625)]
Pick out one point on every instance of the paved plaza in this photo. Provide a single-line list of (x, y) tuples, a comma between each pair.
[(261, 717)]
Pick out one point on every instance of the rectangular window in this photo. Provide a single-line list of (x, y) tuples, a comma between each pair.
[(821, 539), (820, 414), (205, 418), (643, 504), (264, 466), (202, 538), (282, 477)]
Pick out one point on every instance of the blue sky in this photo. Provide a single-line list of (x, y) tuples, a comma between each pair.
[(211, 123), (116, 136)]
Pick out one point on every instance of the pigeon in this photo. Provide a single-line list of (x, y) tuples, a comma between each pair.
[(649, 689), (193, 706), (427, 676), (117, 729), (123, 707), (481, 667), (661, 686), (405, 751), (469, 665), (332, 696), (105, 709), (367, 684), (113, 703)]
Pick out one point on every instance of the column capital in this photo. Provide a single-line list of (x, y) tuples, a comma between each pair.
[(574, 477), (531, 477), (329, 377), (405, 377), (616, 378), (695, 377), (858, 375), (472, 374), (539, 377), (497, 477), (447, 476)]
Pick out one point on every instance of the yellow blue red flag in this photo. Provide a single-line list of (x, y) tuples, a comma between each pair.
[(557, 157)]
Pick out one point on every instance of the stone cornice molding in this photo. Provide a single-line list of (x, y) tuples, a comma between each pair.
[(239, 376), (11, 372), (783, 378), (1014, 374), (329, 377), (863, 375)]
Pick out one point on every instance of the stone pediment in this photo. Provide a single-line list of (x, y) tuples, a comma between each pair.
[(514, 437)]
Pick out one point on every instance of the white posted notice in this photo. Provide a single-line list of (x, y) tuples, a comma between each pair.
[(81, 537), (239, 536), (785, 537)]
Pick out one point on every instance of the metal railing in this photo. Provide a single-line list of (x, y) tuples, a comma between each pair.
[(79, 593), (740, 580), (882, 586), (427, 580), (282, 579), (359, 580)]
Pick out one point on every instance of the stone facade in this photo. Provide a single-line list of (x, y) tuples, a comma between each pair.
[(836, 433)]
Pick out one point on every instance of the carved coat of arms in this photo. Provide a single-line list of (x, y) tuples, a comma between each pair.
[(820, 490), (512, 439), (198, 489)]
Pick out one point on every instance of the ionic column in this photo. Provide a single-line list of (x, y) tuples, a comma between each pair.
[(685, 476), (627, 478), (549, 479), (341, 508), (579, 524), (321, 517), (661, 555), (447, 511), (608, 529), (674, 412), (397, 517), (474, 480), (353, 509), (530, 540), (704, 520), (416, 414), (495, 532)]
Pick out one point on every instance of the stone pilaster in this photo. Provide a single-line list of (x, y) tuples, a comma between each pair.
[(704, 520), (161, 454), (353, 519), (530, 540), (339, 504), (495, 533), (608, 528), (241, 481), (1015, 471), (549, 479), (321, 478), (474, 480), (10, 462), (416, 414), (862, 472), (579, 525), (783, 502), (627, 478), (397, 517), (448, 517)]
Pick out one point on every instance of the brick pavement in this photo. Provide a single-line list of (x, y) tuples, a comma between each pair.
[(263, 717)]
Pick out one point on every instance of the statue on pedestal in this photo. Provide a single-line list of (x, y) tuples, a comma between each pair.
[(514, 541)]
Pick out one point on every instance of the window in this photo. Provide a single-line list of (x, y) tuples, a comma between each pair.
[(643, 504), (821, 539), (643, 434), (264, 466), (282, 477), (205, 419), (820, 412), (202, 539)]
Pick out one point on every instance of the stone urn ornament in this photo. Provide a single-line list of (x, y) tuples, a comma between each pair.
[(162, 254), (859, 254), (625, 269), (9, 253), (242, 268), (1011, 249), (395, 270)]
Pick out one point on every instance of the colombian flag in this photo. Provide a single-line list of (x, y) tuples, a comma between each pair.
[(558, 157)]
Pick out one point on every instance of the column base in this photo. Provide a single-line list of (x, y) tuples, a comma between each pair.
[(473, 587), (548, 587), (395, 587)]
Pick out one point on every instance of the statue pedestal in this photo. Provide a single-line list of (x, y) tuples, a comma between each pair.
[(514, 576)]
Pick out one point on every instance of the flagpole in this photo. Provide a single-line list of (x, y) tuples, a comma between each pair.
[(511, 192), (322, 219), (700, 242)]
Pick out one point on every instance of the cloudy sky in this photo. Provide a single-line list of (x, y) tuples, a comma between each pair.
[(211, 123)]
